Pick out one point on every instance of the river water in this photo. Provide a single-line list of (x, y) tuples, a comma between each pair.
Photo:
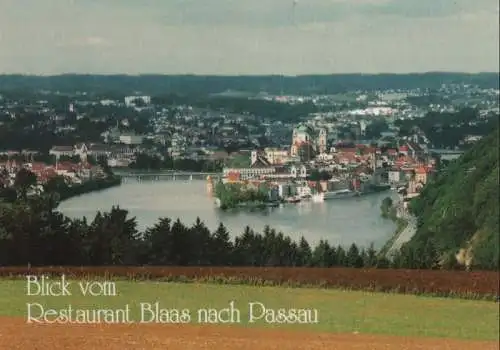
[(340, 221)]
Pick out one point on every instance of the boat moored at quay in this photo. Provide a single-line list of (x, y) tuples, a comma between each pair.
[(340, 194)]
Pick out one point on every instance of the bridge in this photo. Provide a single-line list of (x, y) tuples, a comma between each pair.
[(166, 176), (447, 154)]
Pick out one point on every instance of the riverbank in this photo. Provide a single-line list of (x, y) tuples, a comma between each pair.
[(251, 205), (402, 224), (389, 211), (88, 187), (404, 236), (406, 225)]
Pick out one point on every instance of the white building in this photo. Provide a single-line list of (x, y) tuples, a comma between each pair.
[(59, 151), (324, 157), (81, 150), (286, 190), (395, 175), (99, 150), (276, 155), (304, 191), (129, 100), (116, 163), (299, 172), (131, 139), (107, 102), (248, 173)]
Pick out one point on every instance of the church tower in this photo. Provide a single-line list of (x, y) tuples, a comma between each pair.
[(322, 141), (253, 157)]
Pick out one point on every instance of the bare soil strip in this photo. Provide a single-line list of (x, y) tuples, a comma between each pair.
[(16, 334)]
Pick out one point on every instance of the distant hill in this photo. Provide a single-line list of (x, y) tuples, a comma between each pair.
[(274, 84), (459, 210)]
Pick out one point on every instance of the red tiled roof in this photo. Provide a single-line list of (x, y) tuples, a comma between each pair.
[(64, 167), (403, 148), (38, 166), (233, 176), (49, 171)]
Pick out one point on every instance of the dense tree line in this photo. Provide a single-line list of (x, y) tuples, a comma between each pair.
[(242, 105), (25, 184), (150, 162), (317, 175), (373, 130), (230, 195), (262, 108), (36, 131), (274, 84), (448, 129)]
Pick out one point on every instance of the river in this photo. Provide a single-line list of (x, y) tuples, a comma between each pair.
[(341, 221)]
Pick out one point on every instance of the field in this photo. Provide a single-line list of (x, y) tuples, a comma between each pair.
[(346, 319), (479, 285)]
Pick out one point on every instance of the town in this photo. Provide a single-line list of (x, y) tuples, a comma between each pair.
[(308, 170), (317, 147)]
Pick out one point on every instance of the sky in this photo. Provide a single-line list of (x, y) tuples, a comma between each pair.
[(246, 37)]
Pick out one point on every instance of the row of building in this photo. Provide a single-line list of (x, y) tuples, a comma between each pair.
[(408, 164), (73, 173)]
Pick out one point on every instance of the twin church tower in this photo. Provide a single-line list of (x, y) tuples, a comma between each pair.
[(304, 135)]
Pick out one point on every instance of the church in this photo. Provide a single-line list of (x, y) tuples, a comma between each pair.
[(305, 135)]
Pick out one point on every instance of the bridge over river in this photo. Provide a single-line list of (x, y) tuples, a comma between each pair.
[(447, 154), (165, 176)]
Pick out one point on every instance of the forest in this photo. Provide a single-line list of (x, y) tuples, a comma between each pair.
[(458, 210), (446, 130), (273, 84)]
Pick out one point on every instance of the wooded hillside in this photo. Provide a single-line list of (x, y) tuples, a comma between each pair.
[(458, 211)]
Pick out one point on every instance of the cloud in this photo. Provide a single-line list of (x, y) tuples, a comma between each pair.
[(279, 13), (248, 36), (258, 13), (429, 8), (94, 41), (90, 41)]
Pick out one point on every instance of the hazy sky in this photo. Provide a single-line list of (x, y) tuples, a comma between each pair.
[(248, 36)]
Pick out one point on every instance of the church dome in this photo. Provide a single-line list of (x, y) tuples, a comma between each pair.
[(304, 128)]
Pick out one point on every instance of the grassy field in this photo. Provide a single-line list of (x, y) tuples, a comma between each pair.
[(338, 311)]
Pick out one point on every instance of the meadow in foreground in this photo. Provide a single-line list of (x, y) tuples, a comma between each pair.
[(337, 311)]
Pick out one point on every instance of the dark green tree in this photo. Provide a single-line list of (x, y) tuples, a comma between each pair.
[(221, 246), (370, 258), (23, 181), (305, 256), (354, 259)]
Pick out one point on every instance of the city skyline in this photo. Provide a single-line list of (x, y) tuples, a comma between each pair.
[(248, 37)]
